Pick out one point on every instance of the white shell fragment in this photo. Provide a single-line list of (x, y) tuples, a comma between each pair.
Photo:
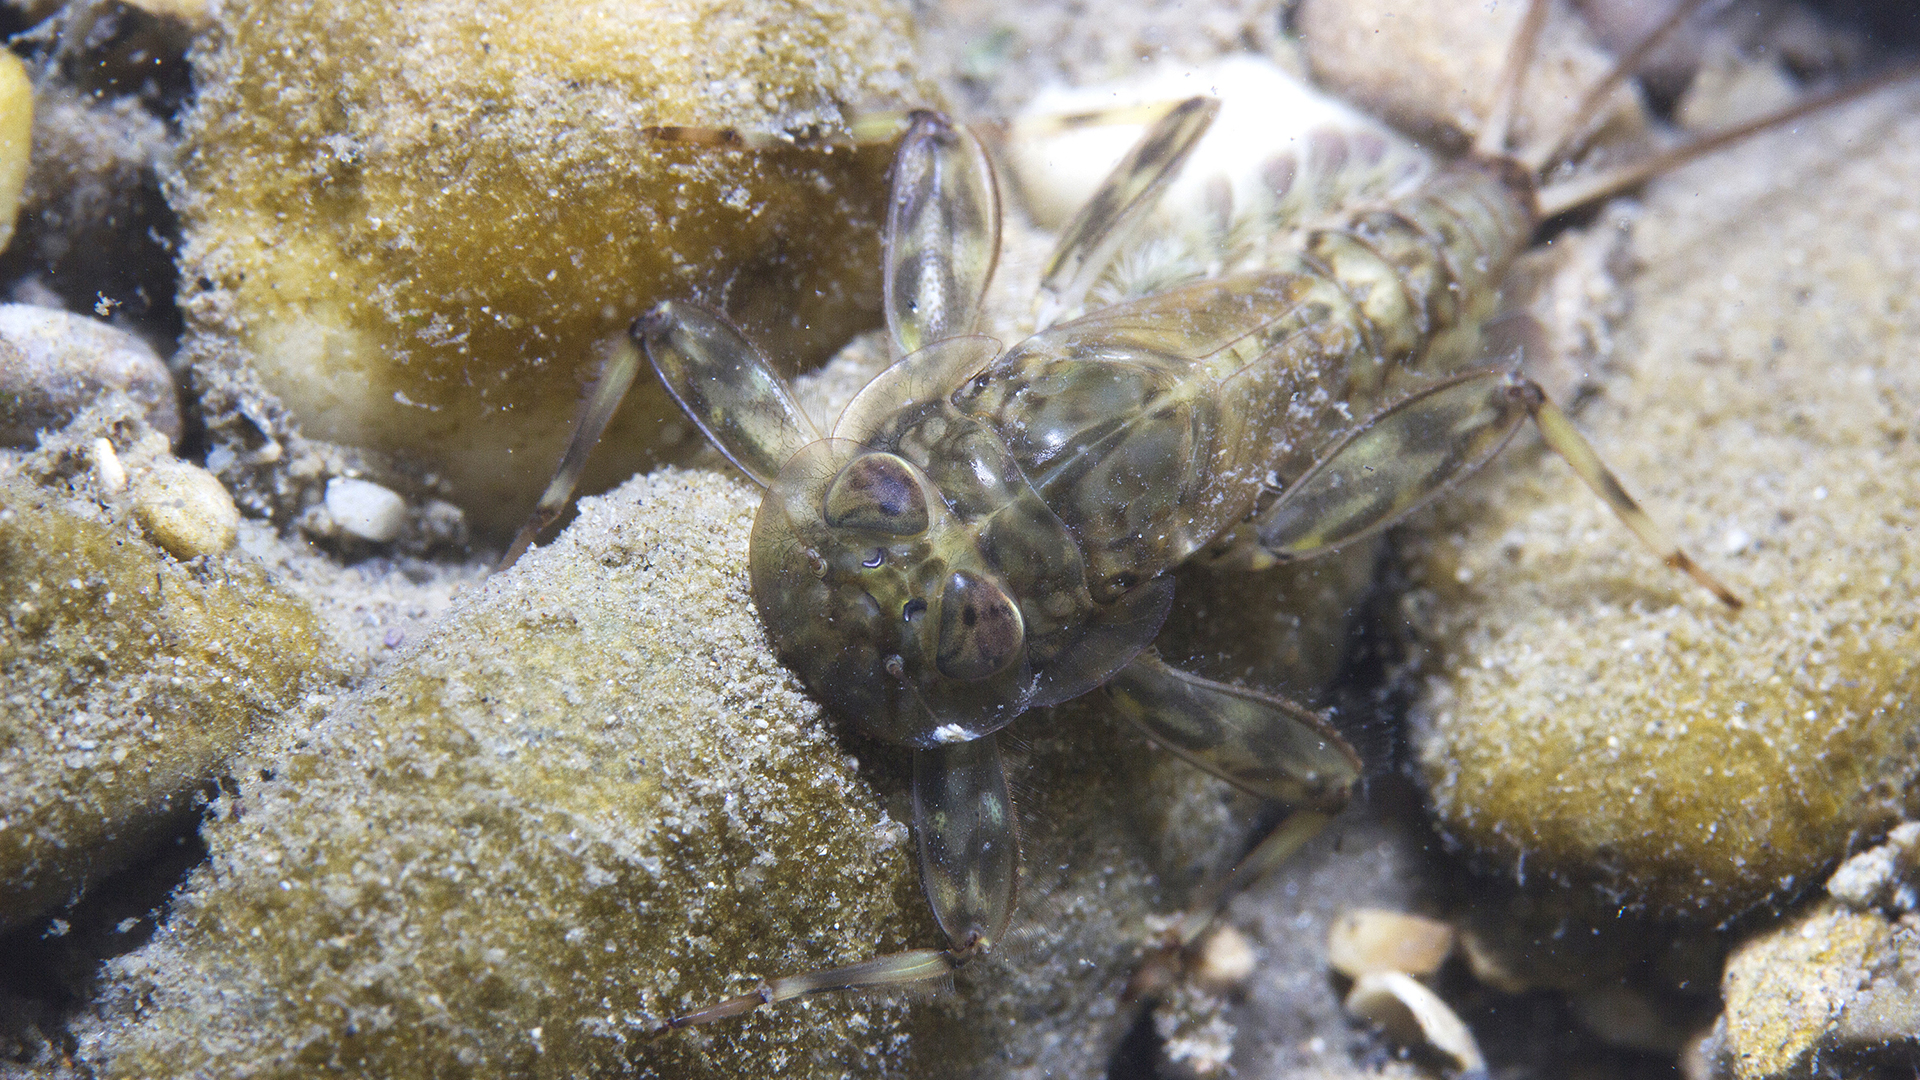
[(54, 363), (364, 509), (1367, 940), (1412, 1014), (108, 474), (185, 509), (1226, 960)]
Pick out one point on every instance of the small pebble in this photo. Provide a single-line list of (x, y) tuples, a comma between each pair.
[(1226, 959), (1880, 876), (108, 474), (366, 510), (16, 136), (54, 363), (185, 509), (1367, 940)]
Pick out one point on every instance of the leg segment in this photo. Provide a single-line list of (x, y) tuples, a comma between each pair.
[(1411, 451), (969, 841), (969, 862), (616, 376), (722, 381), (943, 234), (1123, 201), (1262, 744)]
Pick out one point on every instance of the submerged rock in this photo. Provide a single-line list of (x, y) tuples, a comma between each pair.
[(1433, 68), (54, 364), (1596, 721), (407, 226), (129, 680), (1830, 986), (95, 233)]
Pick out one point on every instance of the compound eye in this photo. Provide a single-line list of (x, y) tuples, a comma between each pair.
[(878, 492), (980, 629)]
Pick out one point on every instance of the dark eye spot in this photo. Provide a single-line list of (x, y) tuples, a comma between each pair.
[(915, 608), (1123, 582), (878, 492), (981, 631)]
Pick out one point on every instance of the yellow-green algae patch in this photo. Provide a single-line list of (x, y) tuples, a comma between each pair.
[(411, 223), (1797, 989), (1596, 719), (569, 812), (126, 681)]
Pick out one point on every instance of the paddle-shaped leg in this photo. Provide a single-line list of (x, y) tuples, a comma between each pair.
[(1414, 449), (943, 234), (969, 842), (1258, 742)]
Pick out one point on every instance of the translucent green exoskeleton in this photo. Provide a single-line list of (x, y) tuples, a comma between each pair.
[(987, 531)]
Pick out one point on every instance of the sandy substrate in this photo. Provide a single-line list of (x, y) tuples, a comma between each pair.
[(560, 804)]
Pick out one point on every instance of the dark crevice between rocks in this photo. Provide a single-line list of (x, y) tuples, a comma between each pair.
[(1138, 1055), (50, 968)]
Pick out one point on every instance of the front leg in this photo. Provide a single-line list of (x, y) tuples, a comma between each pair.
[(969, 841), (969, 862)]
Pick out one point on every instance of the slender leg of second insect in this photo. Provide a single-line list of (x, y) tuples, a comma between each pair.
[(969, 862)]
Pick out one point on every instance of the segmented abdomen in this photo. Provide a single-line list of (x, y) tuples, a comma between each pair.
[(1150, 427)]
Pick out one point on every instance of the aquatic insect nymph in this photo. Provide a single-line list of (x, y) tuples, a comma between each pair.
[(985, 531)]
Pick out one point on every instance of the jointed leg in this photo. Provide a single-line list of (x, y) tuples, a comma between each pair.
[(1261, 743), (1413, 450), (1122, 202), (616, 377), (969, 862)]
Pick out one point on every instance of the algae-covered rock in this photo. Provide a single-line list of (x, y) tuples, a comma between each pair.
[(409, 224), (1831, 984), (592, 798), (129, 679), (1597, 720)]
